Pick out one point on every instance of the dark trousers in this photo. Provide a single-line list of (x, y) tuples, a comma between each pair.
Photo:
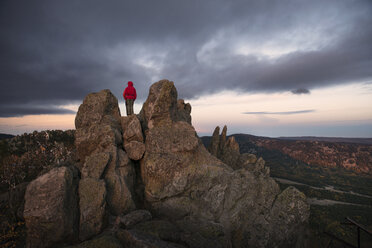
[(129, 106)]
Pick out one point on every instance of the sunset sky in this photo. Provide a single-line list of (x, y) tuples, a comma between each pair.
[(268, 68)]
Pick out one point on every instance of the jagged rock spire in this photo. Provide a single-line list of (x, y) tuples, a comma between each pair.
[(222, 139), (215, 142), (227, 151)]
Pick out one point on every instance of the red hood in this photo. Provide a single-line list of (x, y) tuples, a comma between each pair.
[(130, 83)]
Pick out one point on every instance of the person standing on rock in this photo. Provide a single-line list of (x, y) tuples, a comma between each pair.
[(130, 96)]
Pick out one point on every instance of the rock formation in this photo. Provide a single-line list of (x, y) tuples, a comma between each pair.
[(215, 142), (92, 193), (99, 146), (228, 152), (51, 208), (192, 198), (182, 178), (132, 136)]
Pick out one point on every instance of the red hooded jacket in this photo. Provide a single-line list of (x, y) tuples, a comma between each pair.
[(130, 92)]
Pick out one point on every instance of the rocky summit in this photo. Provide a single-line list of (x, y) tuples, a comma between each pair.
[(147, 180)]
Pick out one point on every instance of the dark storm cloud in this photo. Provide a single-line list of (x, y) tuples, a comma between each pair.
[(55, 52), (281, 113), (300, 91), (14, 110)]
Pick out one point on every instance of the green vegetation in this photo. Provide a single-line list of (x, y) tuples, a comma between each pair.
[(4, 149), (330, 218), (326, 194), (283, 166), (12, 228), (24, 157)]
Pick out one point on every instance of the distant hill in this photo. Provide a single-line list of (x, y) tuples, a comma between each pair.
[(5, 136), (367, 141), (346, 153)]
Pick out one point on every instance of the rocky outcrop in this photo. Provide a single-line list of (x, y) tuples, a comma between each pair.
[(202, 233), (119, 180), (183, 111), (98, 109), (107, 240), (182, 178), (51, 208), (95, 165), (92, 194), (134, 218), (106, 186), (191, 197), (228, 151), (215, 142), (162, 107), (287, 214), (99, 136), (132, 136), (132, 238)]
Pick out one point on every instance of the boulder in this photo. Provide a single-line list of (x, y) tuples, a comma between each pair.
[(161, 229), (132, 136), (132, 130), (162, 107), (259, 167), (203, 234), (98, 108), (288, 213), (136, 239), (96, 139), (95, 165), (247, 159), (135, 149), (103, 241), (171, 151), (92, 193), (51, 208), (119, 178), (254, 165), (135, 217)]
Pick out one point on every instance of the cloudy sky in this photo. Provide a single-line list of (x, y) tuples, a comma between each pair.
[(273, 68)]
